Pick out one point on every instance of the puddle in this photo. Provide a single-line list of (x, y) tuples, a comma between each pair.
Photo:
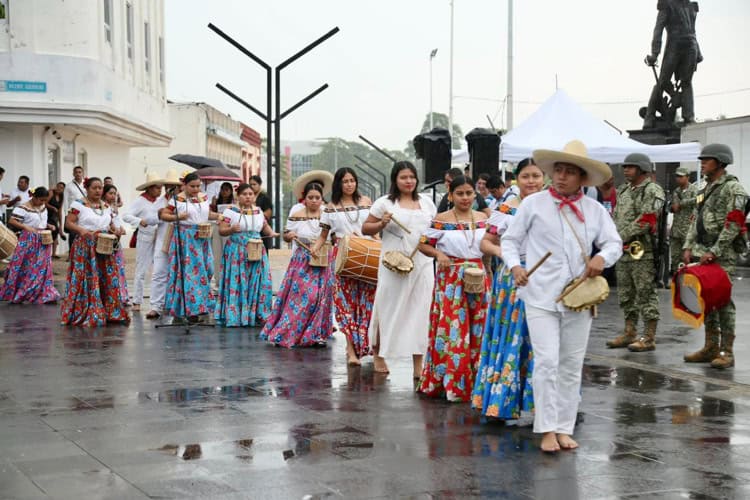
[(635, 380), (631, 413), (239, 449)]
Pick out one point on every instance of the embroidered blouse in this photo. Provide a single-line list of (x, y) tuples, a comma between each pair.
[(92, 219), (460, 240), (30, 216)]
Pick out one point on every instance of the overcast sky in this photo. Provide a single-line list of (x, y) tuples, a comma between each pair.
[(377, 66)]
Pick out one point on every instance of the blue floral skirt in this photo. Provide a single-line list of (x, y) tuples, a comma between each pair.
[(198, 266), (29, 274)]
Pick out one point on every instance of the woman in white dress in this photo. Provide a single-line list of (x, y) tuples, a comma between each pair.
[(401, 310)]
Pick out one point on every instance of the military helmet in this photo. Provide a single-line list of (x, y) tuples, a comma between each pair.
[(638, 160), (682, 172), (719, 152)]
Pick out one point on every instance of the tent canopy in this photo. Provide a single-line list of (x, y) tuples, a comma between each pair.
[(560, 119)]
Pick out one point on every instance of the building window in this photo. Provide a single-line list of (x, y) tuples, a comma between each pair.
[(108, 21), (129, 29), (3, 10), (146, 47), (161, 59)]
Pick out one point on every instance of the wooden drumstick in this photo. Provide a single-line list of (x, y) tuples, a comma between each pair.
[(577, 283), (536, 266), (299, 242), (406, 229)]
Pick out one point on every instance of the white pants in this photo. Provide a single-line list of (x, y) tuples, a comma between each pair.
[(144, 258), (159, 280), (559, 342)]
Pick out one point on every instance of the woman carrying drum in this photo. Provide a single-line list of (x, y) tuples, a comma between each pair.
[(191, 265), (401, 312), (302, 313), (503, 386), (459, 303), (29, 274), (110, 196), (353, 298), (245, 286), (92, 293)]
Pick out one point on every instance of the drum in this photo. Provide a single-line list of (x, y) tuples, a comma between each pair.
[(8, 242), (582, 296), (358, 258), (697, 290), (167, 238), (321, 260), (105, 243), (254, 250), (46, 235), (474, 280), (204, 230)]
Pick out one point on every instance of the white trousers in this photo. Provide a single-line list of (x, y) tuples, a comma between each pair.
[(144, 259), (559, 342), (159, 280)]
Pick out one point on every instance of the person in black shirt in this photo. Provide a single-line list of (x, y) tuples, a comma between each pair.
[(445, 204), (262, 201)]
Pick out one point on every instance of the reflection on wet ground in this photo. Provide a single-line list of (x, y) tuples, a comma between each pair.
[(140, 413)]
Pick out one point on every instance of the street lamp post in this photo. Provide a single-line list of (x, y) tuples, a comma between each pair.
[(450, 82), (432, 56)]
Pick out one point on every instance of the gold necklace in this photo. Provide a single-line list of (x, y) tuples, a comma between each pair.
[(472, 228)]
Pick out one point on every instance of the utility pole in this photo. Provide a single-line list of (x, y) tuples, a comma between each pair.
[(509, 102), (450, 83)]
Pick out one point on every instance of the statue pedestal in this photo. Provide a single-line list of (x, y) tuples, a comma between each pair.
[(658, 137)]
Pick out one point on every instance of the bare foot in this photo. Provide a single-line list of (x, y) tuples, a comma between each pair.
[(136, 307), (417, 369), (380, 365), (352, 360), (549, 443), (566, 442)]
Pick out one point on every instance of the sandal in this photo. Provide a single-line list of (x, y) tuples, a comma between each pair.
[(153, 315)]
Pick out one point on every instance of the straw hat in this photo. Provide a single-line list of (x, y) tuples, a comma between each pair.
[(321, 176), (172, 178), (575, 153), (152, 179)]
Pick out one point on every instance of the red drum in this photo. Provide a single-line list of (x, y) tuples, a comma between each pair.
[(699, 289)]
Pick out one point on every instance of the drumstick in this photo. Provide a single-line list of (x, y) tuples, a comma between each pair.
[(536, 266), (579, 281), (406, 229), (299, 242)]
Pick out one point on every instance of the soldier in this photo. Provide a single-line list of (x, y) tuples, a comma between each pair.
[(683, 202), (638, 203), (717, 234)]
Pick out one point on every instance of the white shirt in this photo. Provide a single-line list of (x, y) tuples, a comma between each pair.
[(297, 206), (73, 192), (30, 216), (250, 221), (25, 196), (344, 221), (92, 219), (197, 209), (539, 223), (456, 240), (142, 209)]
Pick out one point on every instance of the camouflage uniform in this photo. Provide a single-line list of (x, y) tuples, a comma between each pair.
[(719, 227), (680, 223), (636, 220)]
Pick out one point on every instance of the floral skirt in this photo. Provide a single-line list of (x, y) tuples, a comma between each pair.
[(29, 274), (456, 323), (195, 282), (120, 262), (302, 313), (503, 388), (245, 291), (353, 309), (92, 293)]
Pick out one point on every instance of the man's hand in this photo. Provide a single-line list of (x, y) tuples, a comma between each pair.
[(594, 267), (687, 256), (675, 208), (650, 60), (520, 275), (707, 258)]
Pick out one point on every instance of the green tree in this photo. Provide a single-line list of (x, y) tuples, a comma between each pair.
[(439, 120)]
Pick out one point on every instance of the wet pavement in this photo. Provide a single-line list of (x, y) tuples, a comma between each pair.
[(136, 412)]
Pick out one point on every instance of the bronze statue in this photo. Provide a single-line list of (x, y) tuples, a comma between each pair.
[(681, 58)]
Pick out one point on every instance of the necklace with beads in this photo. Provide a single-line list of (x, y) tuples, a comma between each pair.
[(472, 227), (350, 219), (243, 216), (91, 206)]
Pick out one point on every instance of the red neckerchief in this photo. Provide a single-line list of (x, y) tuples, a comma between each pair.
[(569, 201), (149, 198)]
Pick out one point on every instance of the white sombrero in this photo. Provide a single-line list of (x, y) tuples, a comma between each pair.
[(152, 179), (172, 178), (321, 176), (575, 153)]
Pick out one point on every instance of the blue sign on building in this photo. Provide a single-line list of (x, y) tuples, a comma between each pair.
[(22, 86)]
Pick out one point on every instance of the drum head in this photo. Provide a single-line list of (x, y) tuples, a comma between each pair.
[(343, 254)]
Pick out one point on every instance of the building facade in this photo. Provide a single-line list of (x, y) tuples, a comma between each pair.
[(81, 83)]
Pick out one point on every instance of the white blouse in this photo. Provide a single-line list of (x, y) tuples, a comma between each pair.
[(459, 240), (92, 219), (343, 221), (250, 221), (30, 216), (307, 228), (197, 208)]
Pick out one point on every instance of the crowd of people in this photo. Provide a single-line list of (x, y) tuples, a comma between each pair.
[(470, 289)]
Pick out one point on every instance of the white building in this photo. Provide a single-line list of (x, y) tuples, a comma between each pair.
[(81, 82)]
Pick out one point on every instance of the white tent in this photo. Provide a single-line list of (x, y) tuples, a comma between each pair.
[(560, 120)]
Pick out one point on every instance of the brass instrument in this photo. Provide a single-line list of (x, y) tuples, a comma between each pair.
[(635, 250)]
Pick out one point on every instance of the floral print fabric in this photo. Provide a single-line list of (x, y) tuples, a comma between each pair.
[(92, 292), (503, 388), (353, 308), (198, 264), (29, 274), (245, 287), (456, 323), (302, 313)]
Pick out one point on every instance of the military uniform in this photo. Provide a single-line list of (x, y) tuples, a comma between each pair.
[(685, 198), (719, 227), (636, 218)]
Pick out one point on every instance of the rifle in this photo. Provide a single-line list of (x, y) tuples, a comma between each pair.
[(661, 244)]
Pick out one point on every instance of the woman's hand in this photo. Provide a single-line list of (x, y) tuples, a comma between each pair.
[(236, 228), (443, 260), (182, 216), (387, 216)]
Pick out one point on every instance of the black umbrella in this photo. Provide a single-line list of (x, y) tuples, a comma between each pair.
[(217, 174), (198, 162)]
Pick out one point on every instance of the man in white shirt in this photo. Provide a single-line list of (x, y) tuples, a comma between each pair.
[(74, 190), (563, 221), (20, 194)]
